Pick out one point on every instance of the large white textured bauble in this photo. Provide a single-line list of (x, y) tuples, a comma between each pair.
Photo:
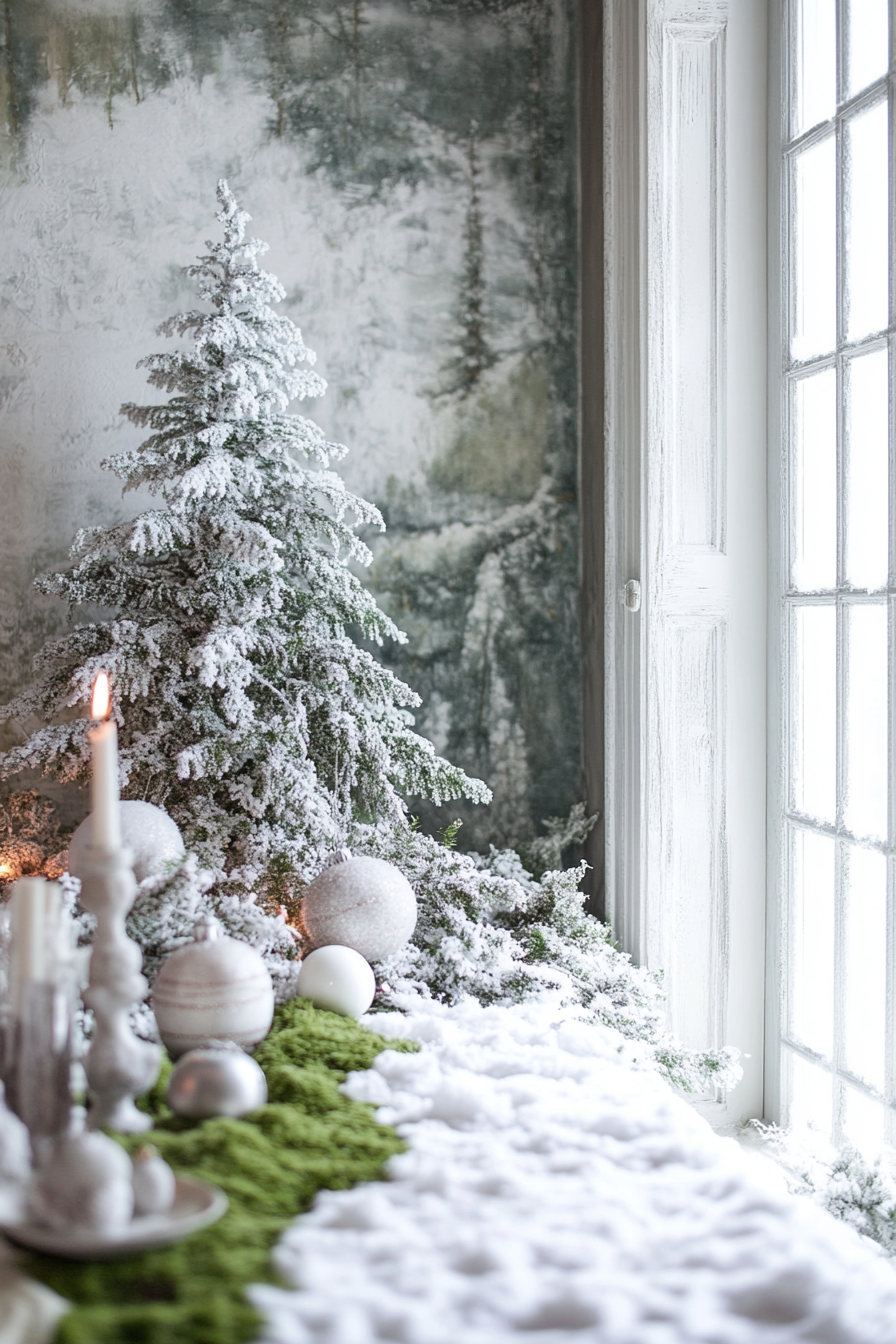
[(214, 989), (149, 833), (337, 978), (363, 903), (85, 1184), (216, 1082)]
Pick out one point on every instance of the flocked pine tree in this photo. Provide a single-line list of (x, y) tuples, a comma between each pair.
[(245, 706)]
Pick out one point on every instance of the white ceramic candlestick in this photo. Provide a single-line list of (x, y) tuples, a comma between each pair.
[(119, 1065)]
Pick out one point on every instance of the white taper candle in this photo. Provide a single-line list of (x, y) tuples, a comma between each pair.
[(34, 926), (106, 821)]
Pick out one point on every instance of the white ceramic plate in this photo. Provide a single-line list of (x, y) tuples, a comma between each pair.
[(196, 1205)]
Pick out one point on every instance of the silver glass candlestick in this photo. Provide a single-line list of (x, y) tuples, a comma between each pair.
[(119, 1065)]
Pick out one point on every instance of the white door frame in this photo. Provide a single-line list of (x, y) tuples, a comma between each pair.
[(685, 430)]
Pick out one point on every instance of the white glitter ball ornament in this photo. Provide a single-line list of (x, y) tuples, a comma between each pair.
[(362, 903), (216, 1081), (337, 978), (147, 831), (214, 989)]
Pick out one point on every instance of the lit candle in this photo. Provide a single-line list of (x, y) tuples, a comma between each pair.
[(106, 822)]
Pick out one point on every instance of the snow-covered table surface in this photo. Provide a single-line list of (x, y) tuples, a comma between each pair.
[(557, 1190)]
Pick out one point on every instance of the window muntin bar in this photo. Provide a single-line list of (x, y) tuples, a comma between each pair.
[(837, 608)]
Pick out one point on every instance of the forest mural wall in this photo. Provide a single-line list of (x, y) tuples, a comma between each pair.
[(412, 164)]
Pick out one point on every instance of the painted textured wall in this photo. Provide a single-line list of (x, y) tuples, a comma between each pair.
[(412, 164)]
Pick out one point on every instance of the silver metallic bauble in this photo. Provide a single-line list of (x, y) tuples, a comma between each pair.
[(214, 989), (362, 903), (337, 978), (85, 1184), (154, 1182), (147, 831), (217, 1080)]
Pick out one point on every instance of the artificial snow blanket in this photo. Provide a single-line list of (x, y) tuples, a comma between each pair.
[(556, 1189)]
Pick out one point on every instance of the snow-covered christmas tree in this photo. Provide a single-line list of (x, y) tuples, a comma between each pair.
[(245, 705)]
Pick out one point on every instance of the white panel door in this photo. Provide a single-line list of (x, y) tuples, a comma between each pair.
[(695, 691)]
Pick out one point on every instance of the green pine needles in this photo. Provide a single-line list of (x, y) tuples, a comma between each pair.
[(244, 706), (271, 1164)]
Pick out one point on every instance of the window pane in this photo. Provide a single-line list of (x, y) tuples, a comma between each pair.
[(815, 242), (869, 42), (865, 1003), (868, 475), (816, 63), (810, 1096), (815, 712), (815, 482), (867, 223), (812, 945), (865, 810), (863, 1123)]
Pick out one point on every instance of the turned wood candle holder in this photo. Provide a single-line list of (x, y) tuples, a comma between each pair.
[(119, 1065)]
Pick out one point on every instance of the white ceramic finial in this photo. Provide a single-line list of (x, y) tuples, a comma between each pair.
[(206, 929)]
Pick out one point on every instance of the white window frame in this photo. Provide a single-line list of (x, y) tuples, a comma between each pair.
[(780, 1049), (639, 175)]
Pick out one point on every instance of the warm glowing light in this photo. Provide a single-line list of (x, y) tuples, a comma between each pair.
[(6, 868), (101, 702)]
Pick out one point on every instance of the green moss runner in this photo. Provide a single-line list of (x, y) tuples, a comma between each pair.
[(271, 1164)]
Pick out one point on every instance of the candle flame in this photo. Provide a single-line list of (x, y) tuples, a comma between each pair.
[(102, 700)]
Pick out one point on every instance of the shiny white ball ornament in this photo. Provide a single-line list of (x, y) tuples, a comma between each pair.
[(216, 1081), (147, 831), (363, 903), (154, 1182), (337, 978), (214, 989)]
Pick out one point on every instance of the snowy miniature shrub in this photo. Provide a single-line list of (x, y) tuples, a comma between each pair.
[(841, 1180), (487, 929)]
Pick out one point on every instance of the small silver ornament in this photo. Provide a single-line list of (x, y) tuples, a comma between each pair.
[(154, 1182), (362, 903), (218, 1079)]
